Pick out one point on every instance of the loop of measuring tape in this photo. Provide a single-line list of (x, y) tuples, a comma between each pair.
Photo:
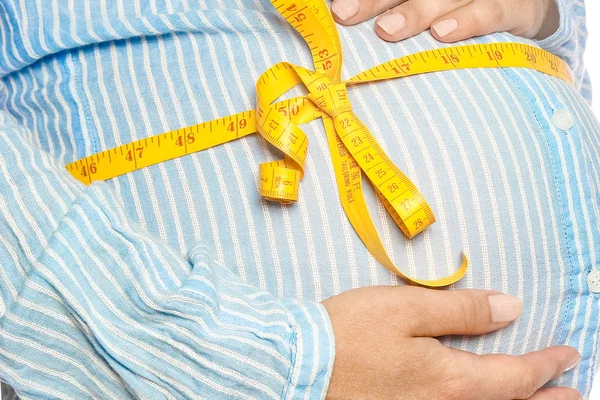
[(354, 150)]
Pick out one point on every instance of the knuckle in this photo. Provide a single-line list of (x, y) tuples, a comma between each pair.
[(456, 390), (528, 384), (413, 307), (409, 296), (490, 14), (496, 10), (477, 25), (468, 307), (455, 385)]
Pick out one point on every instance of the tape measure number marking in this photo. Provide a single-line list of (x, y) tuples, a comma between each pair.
[(354, 150)]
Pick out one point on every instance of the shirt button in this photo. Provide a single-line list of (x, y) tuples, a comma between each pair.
[(593, 280), (563, 120)]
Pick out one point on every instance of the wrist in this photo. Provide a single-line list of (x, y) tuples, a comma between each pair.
[(551, 21)]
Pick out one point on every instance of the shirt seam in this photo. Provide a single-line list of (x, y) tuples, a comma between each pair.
[(568, 308), (293, 357), (85, 108)]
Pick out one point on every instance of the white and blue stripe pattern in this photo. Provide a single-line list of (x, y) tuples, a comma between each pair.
[(176, 281)]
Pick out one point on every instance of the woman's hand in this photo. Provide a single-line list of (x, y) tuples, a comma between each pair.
[(386, 348), (451, 20)]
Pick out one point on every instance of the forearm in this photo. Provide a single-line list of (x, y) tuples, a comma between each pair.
[(93, 306), (550, 21)]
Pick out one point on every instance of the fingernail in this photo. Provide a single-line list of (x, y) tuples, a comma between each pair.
[(504, 308), (345, 9), (391, 23), (573, 363), (445, 27)]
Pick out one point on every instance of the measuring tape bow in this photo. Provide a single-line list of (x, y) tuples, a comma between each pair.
[(353, 148)]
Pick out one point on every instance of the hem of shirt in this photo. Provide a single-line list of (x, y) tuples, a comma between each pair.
[(313, 351)]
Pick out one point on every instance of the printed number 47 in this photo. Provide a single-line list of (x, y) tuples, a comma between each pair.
[(140, 152)]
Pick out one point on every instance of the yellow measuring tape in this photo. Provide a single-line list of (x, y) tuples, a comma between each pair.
[(353, 148)]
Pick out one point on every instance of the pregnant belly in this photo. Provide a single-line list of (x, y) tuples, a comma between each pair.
[(508, 188), (477, 143)]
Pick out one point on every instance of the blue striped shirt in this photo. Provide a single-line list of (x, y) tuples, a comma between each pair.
[(178, 281)]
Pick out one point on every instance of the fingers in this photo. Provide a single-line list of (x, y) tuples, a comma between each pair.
[(556, 393), (482, 17), (458, 312), (350, 12), (450, 20), (413, 17), (518, 377)]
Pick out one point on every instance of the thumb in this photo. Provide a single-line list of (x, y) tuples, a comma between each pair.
[(460, 312)]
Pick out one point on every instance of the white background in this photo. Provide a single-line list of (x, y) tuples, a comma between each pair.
[(593, 66)]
